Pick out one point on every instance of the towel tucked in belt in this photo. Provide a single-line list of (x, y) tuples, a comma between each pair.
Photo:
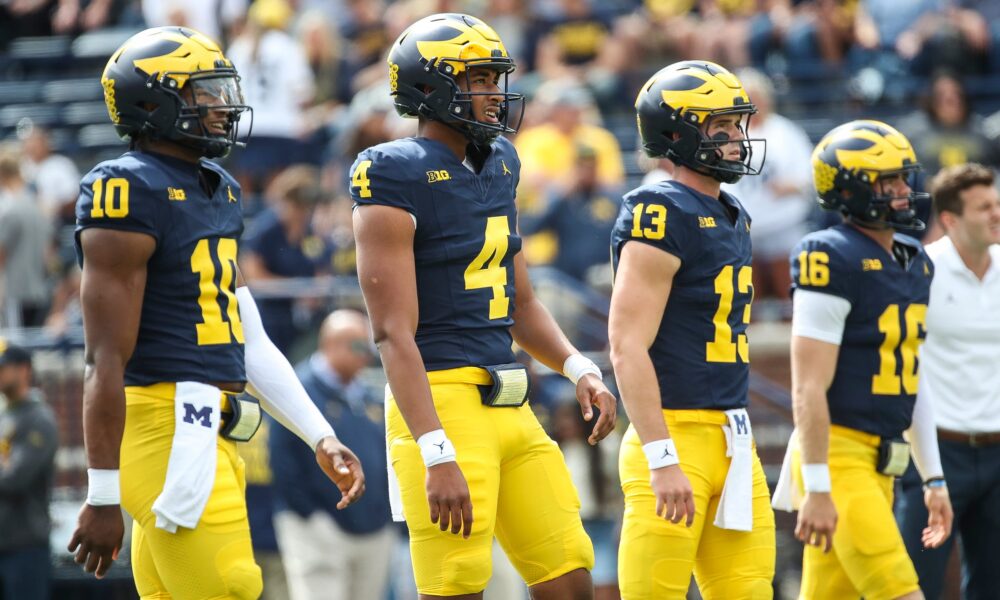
[(191, 467), (786, 494), (736, 503), (395, 495)]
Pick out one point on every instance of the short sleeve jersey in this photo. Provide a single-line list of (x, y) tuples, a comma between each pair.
[(189, 328), (464, 244), (701, 353), (875, 384)]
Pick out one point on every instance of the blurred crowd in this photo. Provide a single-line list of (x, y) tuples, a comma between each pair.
[(314, 73)]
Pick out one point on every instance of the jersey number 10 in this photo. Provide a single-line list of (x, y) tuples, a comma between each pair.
[(213, 329)]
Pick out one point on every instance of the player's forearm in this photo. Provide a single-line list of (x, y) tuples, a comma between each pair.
[(404, 368), (103, 415), (812, 420), (639, 388), (538, 333)]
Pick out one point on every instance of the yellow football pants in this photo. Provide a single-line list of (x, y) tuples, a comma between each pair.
[(520, 488), (868, 558), (657, 557), (213, 561)]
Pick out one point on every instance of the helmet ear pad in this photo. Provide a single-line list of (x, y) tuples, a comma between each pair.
[(853, 195), (682, 138)]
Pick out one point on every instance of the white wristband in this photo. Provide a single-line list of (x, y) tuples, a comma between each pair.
[(436, 448), (661, 453), (578, 365), (102, 487), (816, 478)]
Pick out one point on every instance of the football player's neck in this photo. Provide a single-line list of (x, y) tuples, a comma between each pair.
[(170, 148), (437, 131), (696, 181), (882, 236)]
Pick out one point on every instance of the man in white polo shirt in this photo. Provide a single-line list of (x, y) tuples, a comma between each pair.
[(960, 374)]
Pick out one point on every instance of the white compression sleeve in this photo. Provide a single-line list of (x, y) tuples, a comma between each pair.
[(272, 379), (922, 435)]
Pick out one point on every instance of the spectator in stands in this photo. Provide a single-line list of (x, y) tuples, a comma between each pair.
[(548, 150), (581, 217), (578, 43), (278, 83), (811, 33), (214, 19), (367, 40), (280, 244), (959, 378), (28, 441), (54, 176), (921, 36), (593, 469), (334, 554), (945, 131), (25, 241), (780, 200)]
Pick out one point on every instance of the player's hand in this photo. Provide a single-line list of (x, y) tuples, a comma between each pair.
[(939, 517), (98, 535), (343, 468), (590, 391), (674, 497), (817, 521), (448, 497)]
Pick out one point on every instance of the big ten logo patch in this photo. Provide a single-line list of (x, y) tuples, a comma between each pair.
[(435, 176)]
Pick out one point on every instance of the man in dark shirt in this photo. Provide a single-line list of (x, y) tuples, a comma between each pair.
[(334, 554), (28, 440)]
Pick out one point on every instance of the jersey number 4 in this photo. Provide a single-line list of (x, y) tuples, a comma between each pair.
[(886, 382), (214, 329), (723, 349), (479, 274)]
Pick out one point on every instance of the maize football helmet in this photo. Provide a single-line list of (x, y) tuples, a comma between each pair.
[(674, 109), (849, 162), (163, 82), (426, 62)]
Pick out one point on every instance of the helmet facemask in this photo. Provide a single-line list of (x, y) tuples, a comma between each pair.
[(200, 96), (863, 200), (689, 144), (456, 109)]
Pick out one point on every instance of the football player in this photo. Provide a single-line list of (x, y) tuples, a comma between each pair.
[(695, 492), (172, 335), (447, 289), (860, 292)]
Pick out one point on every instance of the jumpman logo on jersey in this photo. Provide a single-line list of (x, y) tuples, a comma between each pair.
[(441, 446), (229, 190), (506, 171)]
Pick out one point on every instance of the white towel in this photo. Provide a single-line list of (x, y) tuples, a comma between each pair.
[(786, 494), (395, 495), (191, 468), (736, 503)]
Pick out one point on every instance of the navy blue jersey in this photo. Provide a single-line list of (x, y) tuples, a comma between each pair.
[(875, 384), (701, 352), (464, 245), (190, 327)]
